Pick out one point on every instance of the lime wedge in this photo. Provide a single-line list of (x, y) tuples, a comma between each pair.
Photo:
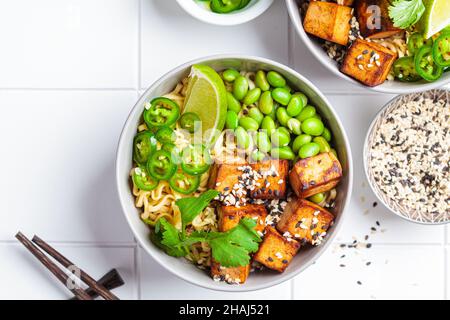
[(207, 97), (436, 17)]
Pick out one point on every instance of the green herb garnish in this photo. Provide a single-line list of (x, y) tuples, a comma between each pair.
[(405, 13), (230, 249)]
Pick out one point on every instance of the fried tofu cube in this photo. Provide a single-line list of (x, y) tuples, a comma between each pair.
[(272, 183), (276, 252), (329, 21), (315, 174), (368, 62), (305, 221), (232, 275), (267, 178), (373, 18), (224, 176), (344, 2), (229, 216)]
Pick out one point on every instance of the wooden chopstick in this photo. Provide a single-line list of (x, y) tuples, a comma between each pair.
[(52, 267), (110, 280), (100, 289)]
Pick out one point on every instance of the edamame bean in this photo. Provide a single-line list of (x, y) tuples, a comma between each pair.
[(233, 103), (317, 198), (282, 153), (281, 95), (280, 138), (273, 114), (275, 79), (232, 120), (307, 112), (268, 125), (248, 123), (261, 81), (230, 75), (312, 126), (309, 150), (317, 116), (324, 146), (258, 155), (326, 134), (240, 88), (252, 96), (303, 97), (256, 115), (266, 103), (300, 141), (263, 141), (282, 116), (295, 106), (242, 137), (285, 130), (294, 126)]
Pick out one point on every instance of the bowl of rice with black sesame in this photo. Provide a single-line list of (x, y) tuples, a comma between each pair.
[(407, 156)]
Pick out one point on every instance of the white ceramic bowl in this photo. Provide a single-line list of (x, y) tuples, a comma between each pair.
[(393, 87), (181, 267), (254, 9)]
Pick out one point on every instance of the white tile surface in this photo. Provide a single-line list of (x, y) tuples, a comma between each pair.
[(70, 43), (170, 37), (58, 171), (157, 283), (448, 234), (356, 113), (28, 279), (395, 272)]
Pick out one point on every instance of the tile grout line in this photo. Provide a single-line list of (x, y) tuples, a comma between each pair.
[(137, 256), (79, 244), (446, 259), (137, 272), (393, 244), (139, 46), (66, 89), (290, 61), (109, 244), (446, 275)]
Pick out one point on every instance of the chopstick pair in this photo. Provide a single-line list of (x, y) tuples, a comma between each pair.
[(62, 276)]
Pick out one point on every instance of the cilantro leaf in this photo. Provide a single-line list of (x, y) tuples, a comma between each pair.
[(230, 249), (192, 207), (171, 236), (405, 13), (229, 254), (167, 237), (233, 248)]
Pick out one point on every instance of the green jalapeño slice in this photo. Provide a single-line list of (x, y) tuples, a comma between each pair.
[(162, 112)]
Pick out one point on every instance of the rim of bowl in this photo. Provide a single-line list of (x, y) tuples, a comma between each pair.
[(318, 53), (244, 15), (366, 156), (278, 279)]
